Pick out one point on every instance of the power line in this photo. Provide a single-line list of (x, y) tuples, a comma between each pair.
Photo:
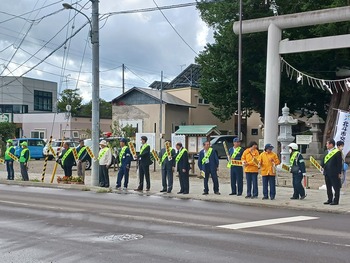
[(174, 28)]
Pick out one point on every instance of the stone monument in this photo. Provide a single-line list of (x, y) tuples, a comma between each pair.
[(315, 148)]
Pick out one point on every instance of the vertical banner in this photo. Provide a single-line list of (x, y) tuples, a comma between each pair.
[(343, 130)]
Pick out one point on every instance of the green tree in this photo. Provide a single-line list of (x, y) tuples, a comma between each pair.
[(105, 109), (7, 131), (219, 60), (70, 97)]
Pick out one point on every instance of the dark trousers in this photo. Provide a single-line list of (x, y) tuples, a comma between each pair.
[(236, 180), (103, 176), (297, 185), (167, 179), (144, 173), (269, 180), (214, 177), (123, 171), (10, 171), (335, 183), (67, 170), (24, 172), (184, 182), (252, 180)]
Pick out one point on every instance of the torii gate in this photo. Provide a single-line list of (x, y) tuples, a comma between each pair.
[(274, 26)]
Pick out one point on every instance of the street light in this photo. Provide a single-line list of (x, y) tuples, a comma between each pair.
[(95, 120)]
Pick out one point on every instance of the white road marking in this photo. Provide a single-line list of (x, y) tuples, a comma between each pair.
[(268, 222)]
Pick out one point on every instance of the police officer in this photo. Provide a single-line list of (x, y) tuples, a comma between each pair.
[(125, 159), (9, 160), (297, 168), (23, 160), (236, 172)]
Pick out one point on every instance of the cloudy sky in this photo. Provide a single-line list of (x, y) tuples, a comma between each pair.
[(145, 42)]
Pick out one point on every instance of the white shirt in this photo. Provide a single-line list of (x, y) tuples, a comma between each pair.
[(106, 159)]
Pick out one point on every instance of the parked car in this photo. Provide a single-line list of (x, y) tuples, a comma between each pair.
[(217, 143), (35, 147)]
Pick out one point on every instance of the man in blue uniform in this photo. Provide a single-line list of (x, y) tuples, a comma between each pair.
[(208, 163), (125, 159), (236, 172)]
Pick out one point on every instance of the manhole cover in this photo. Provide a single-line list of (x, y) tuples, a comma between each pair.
[(123, 237)]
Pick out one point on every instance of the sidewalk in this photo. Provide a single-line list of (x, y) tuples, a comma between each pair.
[(313, 201)]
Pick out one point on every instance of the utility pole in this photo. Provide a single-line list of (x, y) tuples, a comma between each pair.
[(161, 110), (239, 91), (123, 78), (95, 90)]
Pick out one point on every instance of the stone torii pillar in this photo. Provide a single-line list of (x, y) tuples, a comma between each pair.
[(274, 26)]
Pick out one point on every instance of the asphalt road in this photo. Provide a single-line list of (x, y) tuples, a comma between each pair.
[(55, 225)]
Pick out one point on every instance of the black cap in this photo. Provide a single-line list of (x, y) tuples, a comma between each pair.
[(123, 140)]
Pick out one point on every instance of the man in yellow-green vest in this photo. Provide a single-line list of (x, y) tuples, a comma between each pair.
[(66, 159), (144, 161), (332, 164), (9, 160), (125, 159), (83, 157), (183, 167), (105, 160), (167, 162), (23, 160), (236, 172)]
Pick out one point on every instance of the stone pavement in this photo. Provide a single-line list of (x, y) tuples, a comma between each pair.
[(313, 201)]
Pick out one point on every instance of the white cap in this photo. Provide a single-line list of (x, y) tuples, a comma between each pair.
[(293, 145), (103, 142)]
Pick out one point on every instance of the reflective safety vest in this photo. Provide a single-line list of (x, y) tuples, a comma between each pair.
[(233, 156), (330, 155), (121, 154), (292, 159), (7, 157), (103, 152), (22, 159), (81, 151), (66, 155), (178, 157), (207, 155)]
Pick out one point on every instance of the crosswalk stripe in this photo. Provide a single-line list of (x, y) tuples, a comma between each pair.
[(268, 222)]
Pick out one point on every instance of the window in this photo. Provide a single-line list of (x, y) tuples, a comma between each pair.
[(42, 100), (255, 132), (203, 101), (38, 134)]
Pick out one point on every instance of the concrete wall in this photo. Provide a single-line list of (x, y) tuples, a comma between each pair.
[(21, 91), (254, 122), (201, 115)]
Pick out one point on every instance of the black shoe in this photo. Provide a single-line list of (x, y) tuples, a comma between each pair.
[(205, 193), (233, 193), (239, 194), (248, 196), (327, 203), (163, 191), (169, 191), (265, 198), (147, 189), (185, 193), (180, 192), (254, 197), (294, 198), (217, 193), (272, 198), (334, 203), (303, 197), (138, 190)]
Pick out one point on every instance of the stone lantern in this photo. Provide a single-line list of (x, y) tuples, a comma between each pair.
[(315, 148), (285, 137)]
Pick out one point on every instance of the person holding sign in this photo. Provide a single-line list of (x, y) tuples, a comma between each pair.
[(332, 164), (167, 162), (144, 159), (104, 160), (208, 163), (125, 159), (66, 159), (268, 161), (297, 168), (83, 156), (8, 160), (251, 167), (183, 167), (236, 171)]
